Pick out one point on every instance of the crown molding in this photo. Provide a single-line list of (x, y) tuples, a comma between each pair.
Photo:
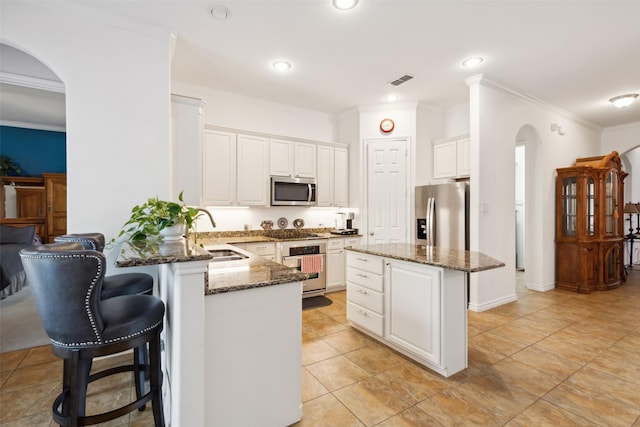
[(479, 79), (31, 82), (35, 126)]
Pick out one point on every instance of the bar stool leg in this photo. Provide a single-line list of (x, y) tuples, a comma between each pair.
[(155, 380)]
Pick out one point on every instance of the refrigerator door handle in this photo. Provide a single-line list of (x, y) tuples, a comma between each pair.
[(430, 223)]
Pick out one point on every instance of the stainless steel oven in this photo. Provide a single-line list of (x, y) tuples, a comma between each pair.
[(293, 254)]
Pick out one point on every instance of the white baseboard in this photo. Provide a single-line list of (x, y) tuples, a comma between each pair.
[(493, 304)]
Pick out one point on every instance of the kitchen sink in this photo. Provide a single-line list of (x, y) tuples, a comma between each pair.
[(220, 255)]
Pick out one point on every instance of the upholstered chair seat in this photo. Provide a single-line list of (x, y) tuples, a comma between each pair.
[(117, 284)]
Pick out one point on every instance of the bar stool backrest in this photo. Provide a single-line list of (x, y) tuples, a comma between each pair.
[(67, 282)]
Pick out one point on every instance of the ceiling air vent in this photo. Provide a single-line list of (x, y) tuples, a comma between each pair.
[(401, 80)]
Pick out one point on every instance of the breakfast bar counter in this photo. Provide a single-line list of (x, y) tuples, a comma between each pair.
[(231, 333)]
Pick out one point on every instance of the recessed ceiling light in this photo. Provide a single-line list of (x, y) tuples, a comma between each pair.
[(220, 12), (344, 4), (474, 61), (282, 65), (623, 100), (391, 98)]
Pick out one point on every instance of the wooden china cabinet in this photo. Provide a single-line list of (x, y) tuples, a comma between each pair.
[(589, 224), (37, 201)]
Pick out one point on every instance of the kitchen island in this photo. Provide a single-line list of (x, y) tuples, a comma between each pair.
[(413, 298), (231, 341)]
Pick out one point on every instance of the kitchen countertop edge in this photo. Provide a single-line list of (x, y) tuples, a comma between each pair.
[(467, 261)]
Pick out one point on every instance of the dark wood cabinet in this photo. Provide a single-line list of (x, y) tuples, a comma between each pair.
[(589, 224), (37, 201), (55, 185)]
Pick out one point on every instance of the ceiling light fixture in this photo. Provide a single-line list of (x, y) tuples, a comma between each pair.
[(474, 61), (282, 65), (391, 98), (623, 100), (344, 4), (220, 12)]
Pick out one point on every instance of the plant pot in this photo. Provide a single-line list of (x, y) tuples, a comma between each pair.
[(173, 232)]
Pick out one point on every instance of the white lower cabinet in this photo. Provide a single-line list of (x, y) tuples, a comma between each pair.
[(336, 262), (417, 309), (365, 292), (413, 308)]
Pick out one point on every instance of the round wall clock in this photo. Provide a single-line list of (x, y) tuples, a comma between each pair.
[(386, 125)]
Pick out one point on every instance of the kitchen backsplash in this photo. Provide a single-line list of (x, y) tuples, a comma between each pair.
[(233, 219)]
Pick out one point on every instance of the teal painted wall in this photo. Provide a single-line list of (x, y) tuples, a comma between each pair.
[(35, 151)]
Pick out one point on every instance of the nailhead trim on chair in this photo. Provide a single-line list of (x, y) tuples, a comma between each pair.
[(111, 341), (87, 297), (81, 240)]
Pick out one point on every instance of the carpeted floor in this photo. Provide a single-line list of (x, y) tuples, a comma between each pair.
[(20, 325)]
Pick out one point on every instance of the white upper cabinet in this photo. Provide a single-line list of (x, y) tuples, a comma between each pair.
[(305, 160), (280, 157), (292, 158), (186, 142), (333, 176), (219, 168), (234, 169), (252, 180), (451, 158)]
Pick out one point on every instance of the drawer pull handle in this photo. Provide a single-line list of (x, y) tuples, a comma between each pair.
[(362, 259), (364, 313), (363, 292), (361, 275)]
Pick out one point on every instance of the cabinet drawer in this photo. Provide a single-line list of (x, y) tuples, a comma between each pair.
[(365, 297), (262, 248), (335, 244), (365, 262), (351, 241), (365, 318), (365, 278)]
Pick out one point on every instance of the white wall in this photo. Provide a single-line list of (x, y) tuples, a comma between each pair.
[(429, 128), (456, 120), (236, 111), (497, 115), (117, 114)]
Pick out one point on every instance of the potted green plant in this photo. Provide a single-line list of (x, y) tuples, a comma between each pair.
[(152, 218)]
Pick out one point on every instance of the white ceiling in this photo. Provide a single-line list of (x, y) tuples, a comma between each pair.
[(574, 55)]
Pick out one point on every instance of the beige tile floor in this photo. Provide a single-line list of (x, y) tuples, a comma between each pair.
[(554, 358)]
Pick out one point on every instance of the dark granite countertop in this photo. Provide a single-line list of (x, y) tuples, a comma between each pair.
[(452, 259), (158, 251), (252, 272), (228, 276), (258, 236)]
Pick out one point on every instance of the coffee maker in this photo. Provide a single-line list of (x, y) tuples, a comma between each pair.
[(344, 224)]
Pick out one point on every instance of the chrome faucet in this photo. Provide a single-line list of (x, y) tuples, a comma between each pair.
[(213, 223)]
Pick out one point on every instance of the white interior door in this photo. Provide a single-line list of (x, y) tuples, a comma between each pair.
[(387, 191)]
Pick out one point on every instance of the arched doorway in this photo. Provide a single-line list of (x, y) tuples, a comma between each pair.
[(528, 200)]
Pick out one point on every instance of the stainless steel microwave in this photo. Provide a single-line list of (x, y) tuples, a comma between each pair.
[(293, 191)]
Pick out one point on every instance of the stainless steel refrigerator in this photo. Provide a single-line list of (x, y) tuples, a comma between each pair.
[(442, 215)]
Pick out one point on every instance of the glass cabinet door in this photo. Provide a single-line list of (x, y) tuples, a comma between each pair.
[(569, 209), (611, 202), (590, 206)]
